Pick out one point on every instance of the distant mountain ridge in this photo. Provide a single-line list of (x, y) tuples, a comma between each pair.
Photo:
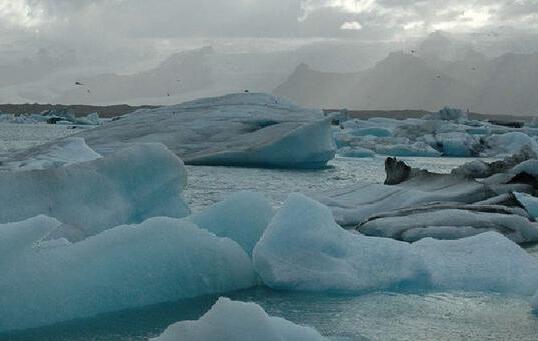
[(424, 78), (181, 72)]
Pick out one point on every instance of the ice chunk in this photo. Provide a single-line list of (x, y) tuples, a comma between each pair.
[(309, 251), (441, 232), (304, 249), (355, 152), (451, 221), (415, 149), (522, 161), (354, 204), (66, 152), (240, 129), (529, 202), (90, 119), (486, 262), (473, 169), (126, 187), (242, 217), (372, 131), (15, 237), (448, 114), (458, 144), (508, 143), (160, 260), (237, 321), (530, 167)]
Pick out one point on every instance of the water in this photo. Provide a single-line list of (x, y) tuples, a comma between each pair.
[(376, 316), (207, 185), (15, 137)]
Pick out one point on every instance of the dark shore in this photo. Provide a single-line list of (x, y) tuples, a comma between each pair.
[(121, 109), (79, 110), (403, 114)]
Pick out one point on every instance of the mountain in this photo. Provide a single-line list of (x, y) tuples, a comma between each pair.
[(400, 81), (180, 73), (436, 74), (202, 72)]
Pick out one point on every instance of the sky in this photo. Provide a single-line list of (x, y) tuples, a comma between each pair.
[(43, 39), (69, 20)]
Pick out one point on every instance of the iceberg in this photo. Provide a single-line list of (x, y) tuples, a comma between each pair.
[(520, 162), (237, 321), (372, 131), (163, 259), (358, 152), (304, 249), (508, 143), (420, 204), (242, 217), (529, 202), (66, 152), (309, 252), (487, 262), (61, 116), (126, 187), (245, 129), (529, 167), (419, 149), (353, 205), (458, 144), (448, 132), (451, 221), (448, 114)]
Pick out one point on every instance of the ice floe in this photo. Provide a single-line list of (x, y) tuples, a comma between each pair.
[(354, 204), (160, 260), (245, 129), (451, 221), (63, 116), (242, 217), (309, 251), (486, 262), (415, 204), (126, 187), (65, 152), (238, 321), (448, 132), (304, 249)]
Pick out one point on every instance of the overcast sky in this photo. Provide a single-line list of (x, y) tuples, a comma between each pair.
[(45, 44), (361, 19)]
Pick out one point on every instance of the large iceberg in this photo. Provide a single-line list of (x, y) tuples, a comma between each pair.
[(242, 217), (304, 249), (163, 259), (125, 187), (246, 129), (237, 321)]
